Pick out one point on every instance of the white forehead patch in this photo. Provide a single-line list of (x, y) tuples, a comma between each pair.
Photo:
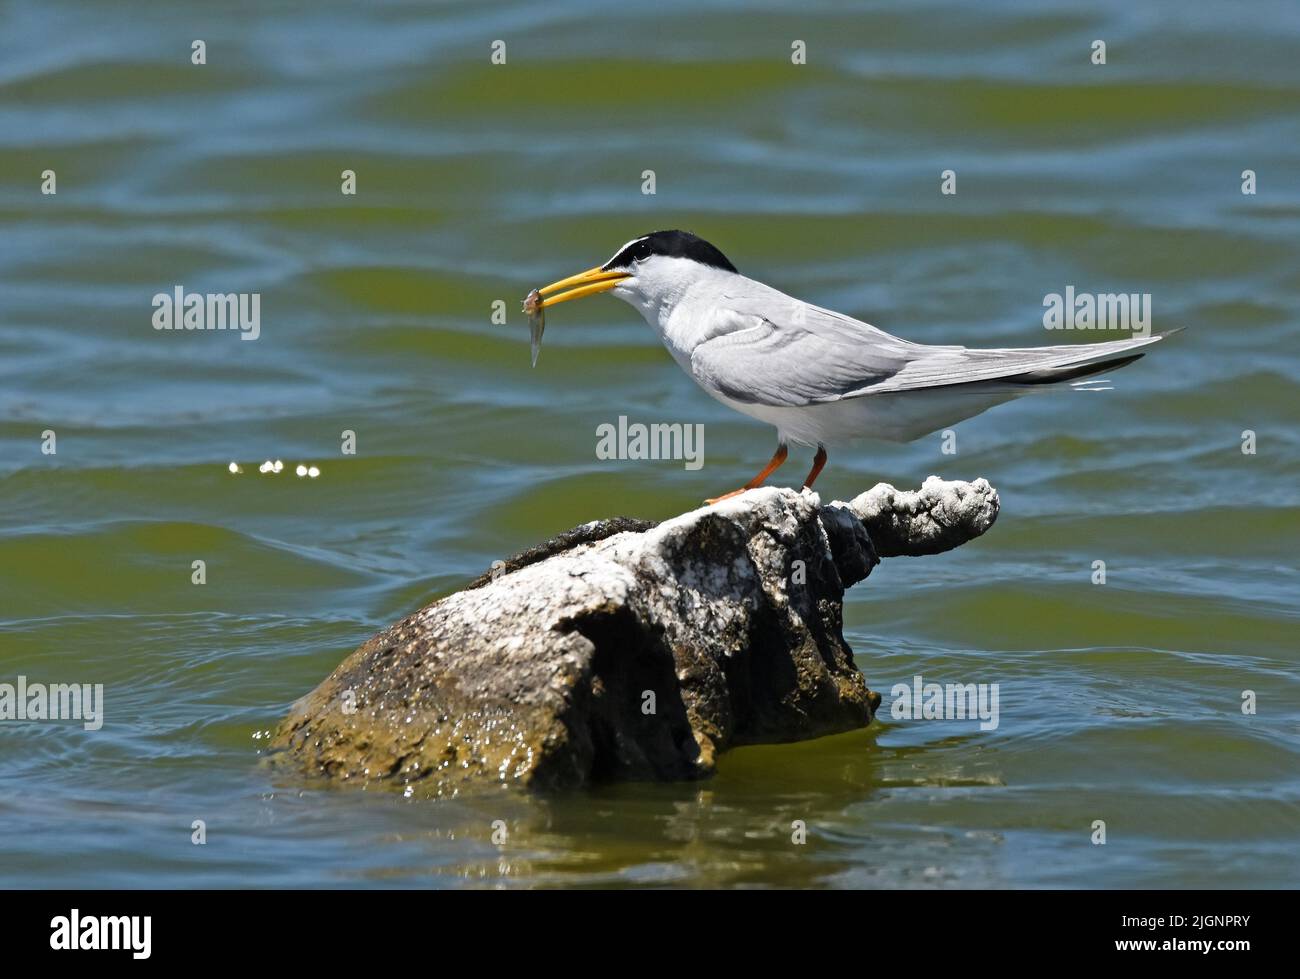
[(619, 251)]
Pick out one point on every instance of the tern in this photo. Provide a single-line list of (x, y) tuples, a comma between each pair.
[(818, 376)]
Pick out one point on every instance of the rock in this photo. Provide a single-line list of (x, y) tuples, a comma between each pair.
[(936, 518), (626, 650)]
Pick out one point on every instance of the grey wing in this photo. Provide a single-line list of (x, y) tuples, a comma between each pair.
[(945, 366), (796, 355), (775, 350)]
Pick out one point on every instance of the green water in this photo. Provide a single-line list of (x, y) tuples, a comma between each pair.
[(1118, 702)]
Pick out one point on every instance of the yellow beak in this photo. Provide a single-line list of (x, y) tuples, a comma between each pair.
[(586, 283)]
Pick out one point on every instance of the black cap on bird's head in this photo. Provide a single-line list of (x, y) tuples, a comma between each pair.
[(670, 244), (674, 244)]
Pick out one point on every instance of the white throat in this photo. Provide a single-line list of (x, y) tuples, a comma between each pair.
[(680, 299)]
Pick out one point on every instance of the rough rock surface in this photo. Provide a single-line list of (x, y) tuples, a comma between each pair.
[(628, 650), (931, 520)]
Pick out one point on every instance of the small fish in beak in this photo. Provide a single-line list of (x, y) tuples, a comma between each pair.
[(586, 283), (536, 321)]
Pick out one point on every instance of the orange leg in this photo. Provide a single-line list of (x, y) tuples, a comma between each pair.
[(819, 460), (778, 457)]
